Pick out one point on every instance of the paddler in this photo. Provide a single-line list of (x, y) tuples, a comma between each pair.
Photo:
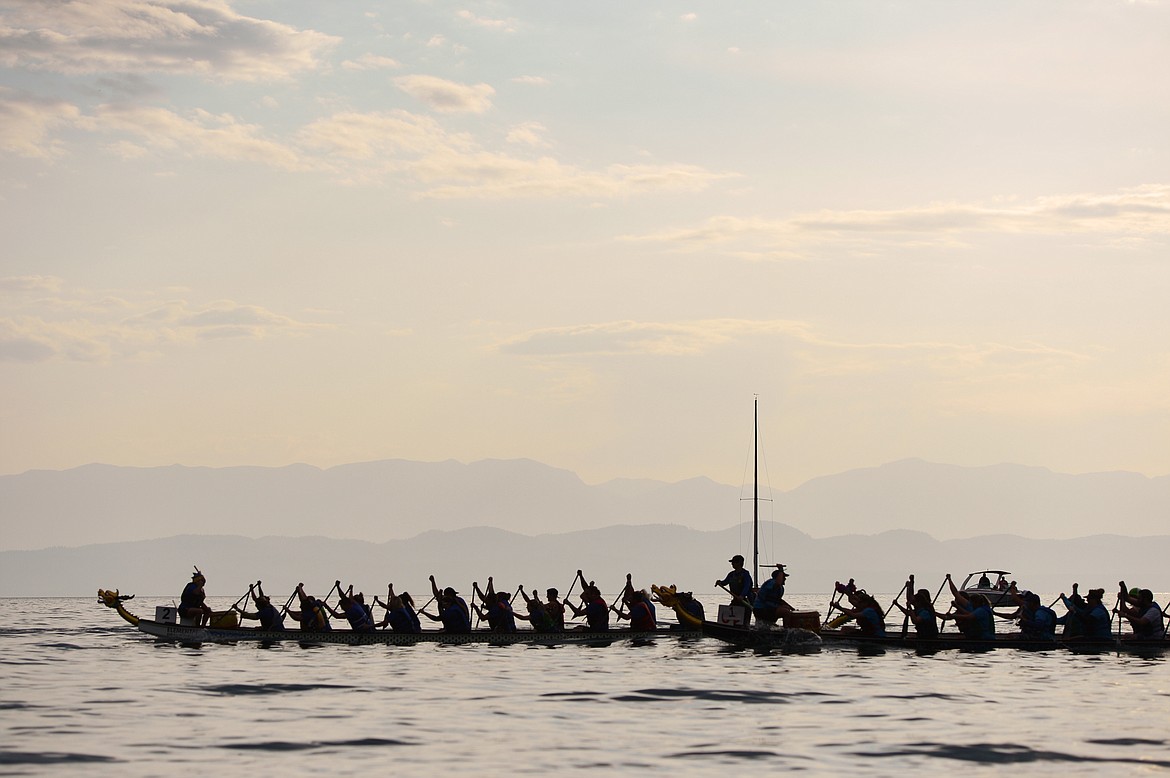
[(593, 605), (266, 613), (556, 610), (353, 609), (192, 602), (453, 611), (638, 610), (312, 615)]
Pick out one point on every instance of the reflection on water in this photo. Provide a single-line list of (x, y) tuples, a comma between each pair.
[(83, 690)]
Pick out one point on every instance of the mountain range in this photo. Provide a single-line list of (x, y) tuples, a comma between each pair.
[(399, 499), (69, 532)]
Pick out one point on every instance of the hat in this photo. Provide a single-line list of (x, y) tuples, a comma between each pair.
[(738, 558), (450, 592), (551, 593), (1096, 594)]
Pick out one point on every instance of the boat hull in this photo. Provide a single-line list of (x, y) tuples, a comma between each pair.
[(1007, 641), (178, 633), (792, 638)]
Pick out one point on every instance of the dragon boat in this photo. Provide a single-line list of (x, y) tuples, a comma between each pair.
[(224, 628), (799, 633)]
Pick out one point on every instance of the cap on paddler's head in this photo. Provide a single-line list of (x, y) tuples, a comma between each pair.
[(551, 593), (736, 560), (450, 592), (1096, 594)]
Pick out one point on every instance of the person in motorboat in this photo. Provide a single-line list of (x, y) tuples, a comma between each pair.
[(920, 609), (867, 613), (740, 586), (1145, 616), (453, 611), (192, 602), (400, 614), (353, 610), (770, 605), (313, 614), (985, 582), (266, 613)]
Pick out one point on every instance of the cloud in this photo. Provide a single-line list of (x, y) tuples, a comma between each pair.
[(27, 124), (641, 338), (447, 96), (82, 325), (504, 25), (527, 134), (453, 165), (203, 37), (1137, 211), (531, 80), (30, 284), (199, 134), (371, 62)]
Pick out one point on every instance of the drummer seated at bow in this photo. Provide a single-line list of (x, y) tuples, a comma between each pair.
[(868, 614), (266, 613), (770, 605), (192, 602)]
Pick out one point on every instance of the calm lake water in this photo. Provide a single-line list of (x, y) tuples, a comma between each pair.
[(82, 690)]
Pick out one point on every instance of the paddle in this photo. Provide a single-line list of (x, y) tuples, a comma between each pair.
[(909, 606), (288, 603), (943, 622)]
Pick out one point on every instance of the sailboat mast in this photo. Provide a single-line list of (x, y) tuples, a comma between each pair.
[(756, 489)]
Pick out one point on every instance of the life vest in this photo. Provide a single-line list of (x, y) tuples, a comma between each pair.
[(641, 617), (597, 614)]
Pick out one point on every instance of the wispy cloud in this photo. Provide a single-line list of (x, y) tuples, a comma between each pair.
[(1143, 210), (371, 62), (455, 165), (27, 124), (43, 321), (447, 96), (203, 37), (503, 25), (198, 134)]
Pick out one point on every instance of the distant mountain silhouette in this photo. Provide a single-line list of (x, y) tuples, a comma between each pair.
[(661, 554), (398, 499)]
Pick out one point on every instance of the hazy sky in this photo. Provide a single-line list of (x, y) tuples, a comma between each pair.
[(586, 233)]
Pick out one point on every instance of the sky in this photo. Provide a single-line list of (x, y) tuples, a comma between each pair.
[(589, 234)]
